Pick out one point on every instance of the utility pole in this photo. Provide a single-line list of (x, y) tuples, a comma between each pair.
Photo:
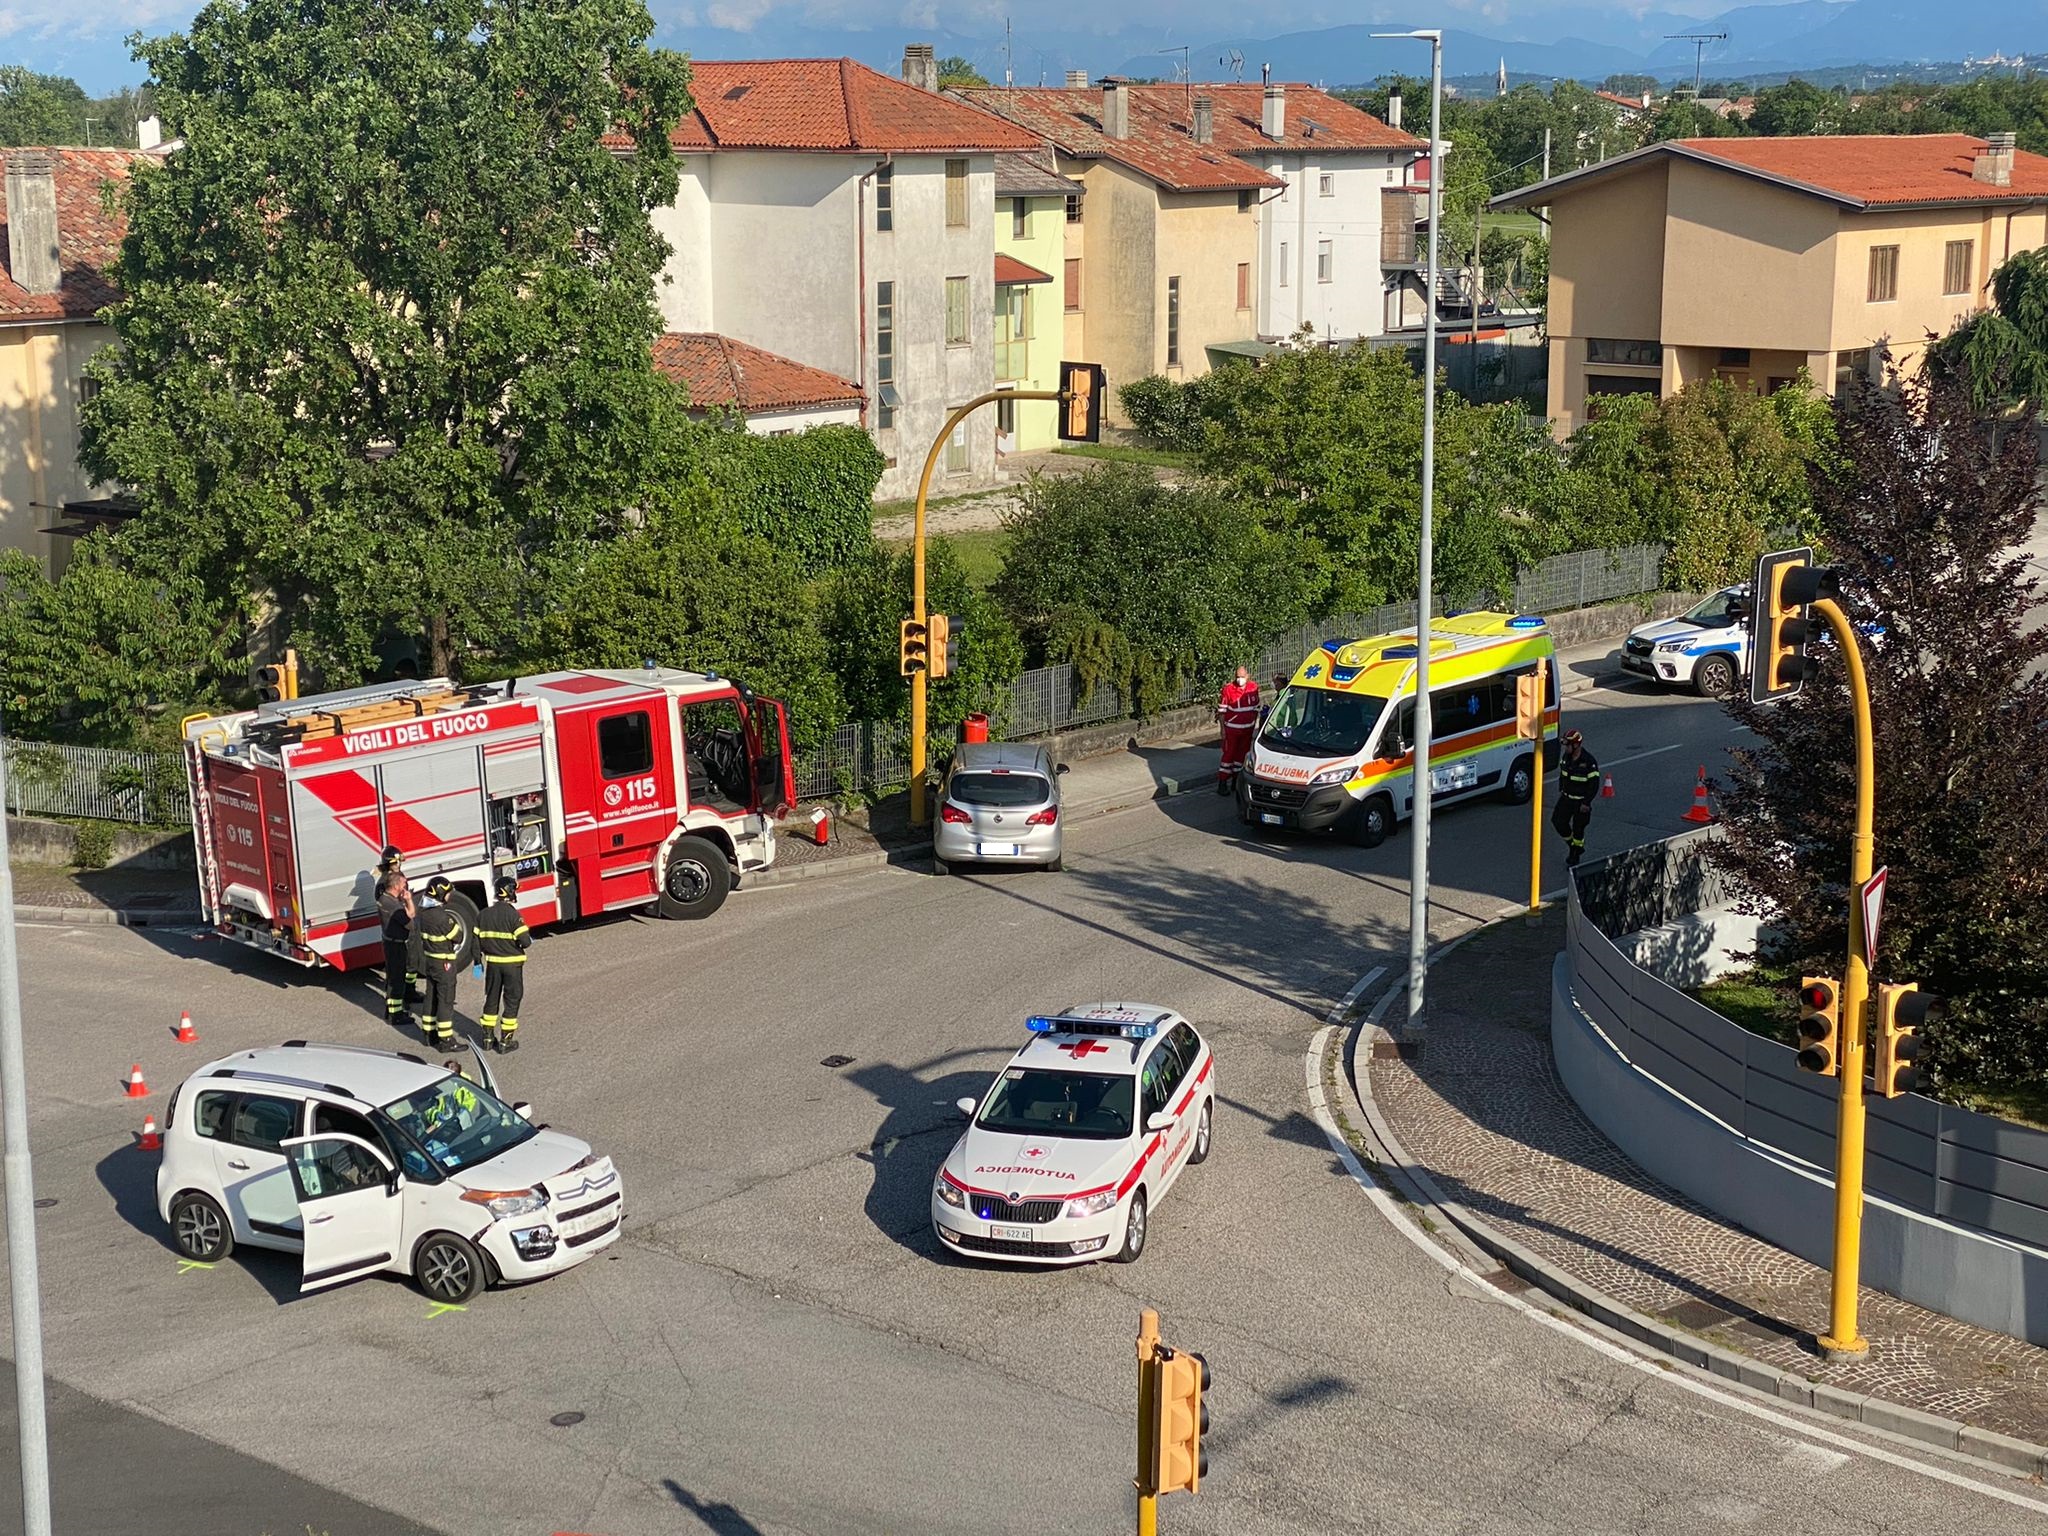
[(1699, 41), (1009, 75), (24, 1285)]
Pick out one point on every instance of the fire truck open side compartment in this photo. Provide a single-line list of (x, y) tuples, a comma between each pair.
[(596, 790)]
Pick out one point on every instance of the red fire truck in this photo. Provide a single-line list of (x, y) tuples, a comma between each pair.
[(597, 790)]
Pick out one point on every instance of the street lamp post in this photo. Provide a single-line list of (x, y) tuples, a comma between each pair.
[(1418, 859)]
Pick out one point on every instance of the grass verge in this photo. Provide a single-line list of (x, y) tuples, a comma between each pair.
[(981, 552), (1123, 453)]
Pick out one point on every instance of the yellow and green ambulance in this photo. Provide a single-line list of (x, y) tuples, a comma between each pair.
[(1337, 748)]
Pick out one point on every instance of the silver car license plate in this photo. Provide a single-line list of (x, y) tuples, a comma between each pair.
[(998, 850)]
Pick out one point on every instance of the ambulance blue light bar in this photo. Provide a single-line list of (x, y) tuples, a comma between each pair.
[(1129, 1029), (1526, 621)]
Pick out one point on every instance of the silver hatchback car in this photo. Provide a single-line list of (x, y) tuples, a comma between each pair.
[(999, 804)]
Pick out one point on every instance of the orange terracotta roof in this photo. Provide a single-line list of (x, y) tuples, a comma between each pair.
[(1010, 270), (1632, 103), (827, 105), (1161, 143), (719, 372), (88, 238), (1881, 169)]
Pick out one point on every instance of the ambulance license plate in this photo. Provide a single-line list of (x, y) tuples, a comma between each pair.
[(998, 850), (1012, 1234), (1272, 818)]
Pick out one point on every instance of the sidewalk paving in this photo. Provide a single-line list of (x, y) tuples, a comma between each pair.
[(1483, 1113)]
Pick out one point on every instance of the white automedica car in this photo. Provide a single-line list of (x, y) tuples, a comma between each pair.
[(1081, 1137), (1706, 648), (366, 1161)]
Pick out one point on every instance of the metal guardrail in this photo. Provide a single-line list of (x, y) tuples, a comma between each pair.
[(101, 783), (1972, 1169)]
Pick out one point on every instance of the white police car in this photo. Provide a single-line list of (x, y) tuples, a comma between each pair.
[(1706, 648), (1079, 1139)]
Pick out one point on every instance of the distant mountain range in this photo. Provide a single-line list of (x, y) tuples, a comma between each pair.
[(1592, 42)]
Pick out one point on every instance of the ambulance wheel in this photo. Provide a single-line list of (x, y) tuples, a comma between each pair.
[(1134, 1233), (1714, 677), (695, 880), (1521, 781), (1372, 821), (465, 909), (1244, 804)]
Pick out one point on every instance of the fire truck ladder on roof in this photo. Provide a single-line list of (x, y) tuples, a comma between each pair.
[(319, 724), (202, 822)]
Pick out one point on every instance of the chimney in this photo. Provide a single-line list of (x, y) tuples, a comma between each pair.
[(1205, 119), (1993, 165), (1077, 79), (1116, 108), (1273, 116), (1394, 108), (32, 220), (921, 66), (149, 133)]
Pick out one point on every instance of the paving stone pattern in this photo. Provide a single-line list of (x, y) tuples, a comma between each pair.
[(1483, 1111)]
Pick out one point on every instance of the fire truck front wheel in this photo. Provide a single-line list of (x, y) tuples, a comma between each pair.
[(695, 880)]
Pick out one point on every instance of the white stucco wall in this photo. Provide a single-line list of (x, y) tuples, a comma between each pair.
[(767, 423), (1352, 304)]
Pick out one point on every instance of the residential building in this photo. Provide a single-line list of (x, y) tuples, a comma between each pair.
[(842, 219), (771, 394), (59, 241), (1032, 200), (1217, 219), (1749, 259)]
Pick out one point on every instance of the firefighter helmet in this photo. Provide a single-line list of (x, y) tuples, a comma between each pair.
[(390, 858), (507, 887), (439, 889)]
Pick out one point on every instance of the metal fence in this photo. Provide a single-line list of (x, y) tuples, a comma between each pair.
[(1973, 1169), (105, 783), (1588, 576)]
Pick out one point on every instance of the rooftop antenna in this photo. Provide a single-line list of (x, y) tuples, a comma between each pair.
[(1699, 41), (1009, 79), (1184, 75), (1234, 62)]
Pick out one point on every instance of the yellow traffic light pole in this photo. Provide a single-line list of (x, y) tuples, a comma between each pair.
[(920, 813), (1842, 1337), (1148, 1387), (1536, 800)]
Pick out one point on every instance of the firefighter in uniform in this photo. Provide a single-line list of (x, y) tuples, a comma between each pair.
[(396, 914), (1238, 710), (1578, 781), (441, 941), (502, 941)]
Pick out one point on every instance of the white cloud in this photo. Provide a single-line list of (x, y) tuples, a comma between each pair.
[(736, 15)]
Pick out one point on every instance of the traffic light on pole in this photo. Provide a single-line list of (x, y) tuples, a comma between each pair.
[(1081, 389), (1820, 1025), (1181, 1420), (1785, 584), (1901, 1009), (915, 656), (938, 644), (280, 680)]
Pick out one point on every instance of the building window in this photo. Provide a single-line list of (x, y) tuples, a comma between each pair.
[(956, 311), (1324, 261), (956, 451), (88, 390), (1073, 207), (1173, 322), (1956, 270), (956, 194), (885, 355), (1884, 273), (1073, 275), (1283, 263), (1633, 354), (1244, 202), (1849, 367), (1326, 185), (1244, 285), (1020, 218), (885, 198), (1013, 332), (1734, 357)]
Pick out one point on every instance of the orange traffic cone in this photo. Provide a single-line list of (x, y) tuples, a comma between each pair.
[(187, 1035), (137, 1088), (1700, 811), (1607, 786), (151, 1142)]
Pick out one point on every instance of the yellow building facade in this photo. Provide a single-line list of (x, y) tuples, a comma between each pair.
[(1032, 202)]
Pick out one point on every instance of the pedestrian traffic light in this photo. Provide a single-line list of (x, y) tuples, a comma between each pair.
[(938, 644), (1181, 1420), (916, 648), (1901, 1009), (1786, 582), (1820, 1025), (280, 680), (1081, 390)]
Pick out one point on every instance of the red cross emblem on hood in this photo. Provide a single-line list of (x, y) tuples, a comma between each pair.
[(1085, 1047)]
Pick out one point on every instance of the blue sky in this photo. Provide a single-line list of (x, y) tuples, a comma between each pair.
[(63, 37)]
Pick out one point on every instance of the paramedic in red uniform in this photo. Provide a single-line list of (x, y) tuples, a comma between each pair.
[(1239, 713)]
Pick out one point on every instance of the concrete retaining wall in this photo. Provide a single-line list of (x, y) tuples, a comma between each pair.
[(1963, 1274), (31, 840)]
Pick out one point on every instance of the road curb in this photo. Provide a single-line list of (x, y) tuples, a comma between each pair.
[(108, 917), (2000, 1451)]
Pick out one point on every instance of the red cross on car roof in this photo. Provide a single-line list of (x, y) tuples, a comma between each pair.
[(1085, 1047)]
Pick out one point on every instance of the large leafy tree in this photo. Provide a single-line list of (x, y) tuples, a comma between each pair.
[(2001, 354), (1797, 107), (385, 317), (41, 109), (1922, 513)]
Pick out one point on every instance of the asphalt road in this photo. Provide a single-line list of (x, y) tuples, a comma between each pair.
[(777, 1347)]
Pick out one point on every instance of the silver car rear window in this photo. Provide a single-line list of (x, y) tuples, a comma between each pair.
[(1000, 789)]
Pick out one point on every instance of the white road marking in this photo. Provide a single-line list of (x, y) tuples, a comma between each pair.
[(1814, 1458), (1343, 1007), (1809, 1437)]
